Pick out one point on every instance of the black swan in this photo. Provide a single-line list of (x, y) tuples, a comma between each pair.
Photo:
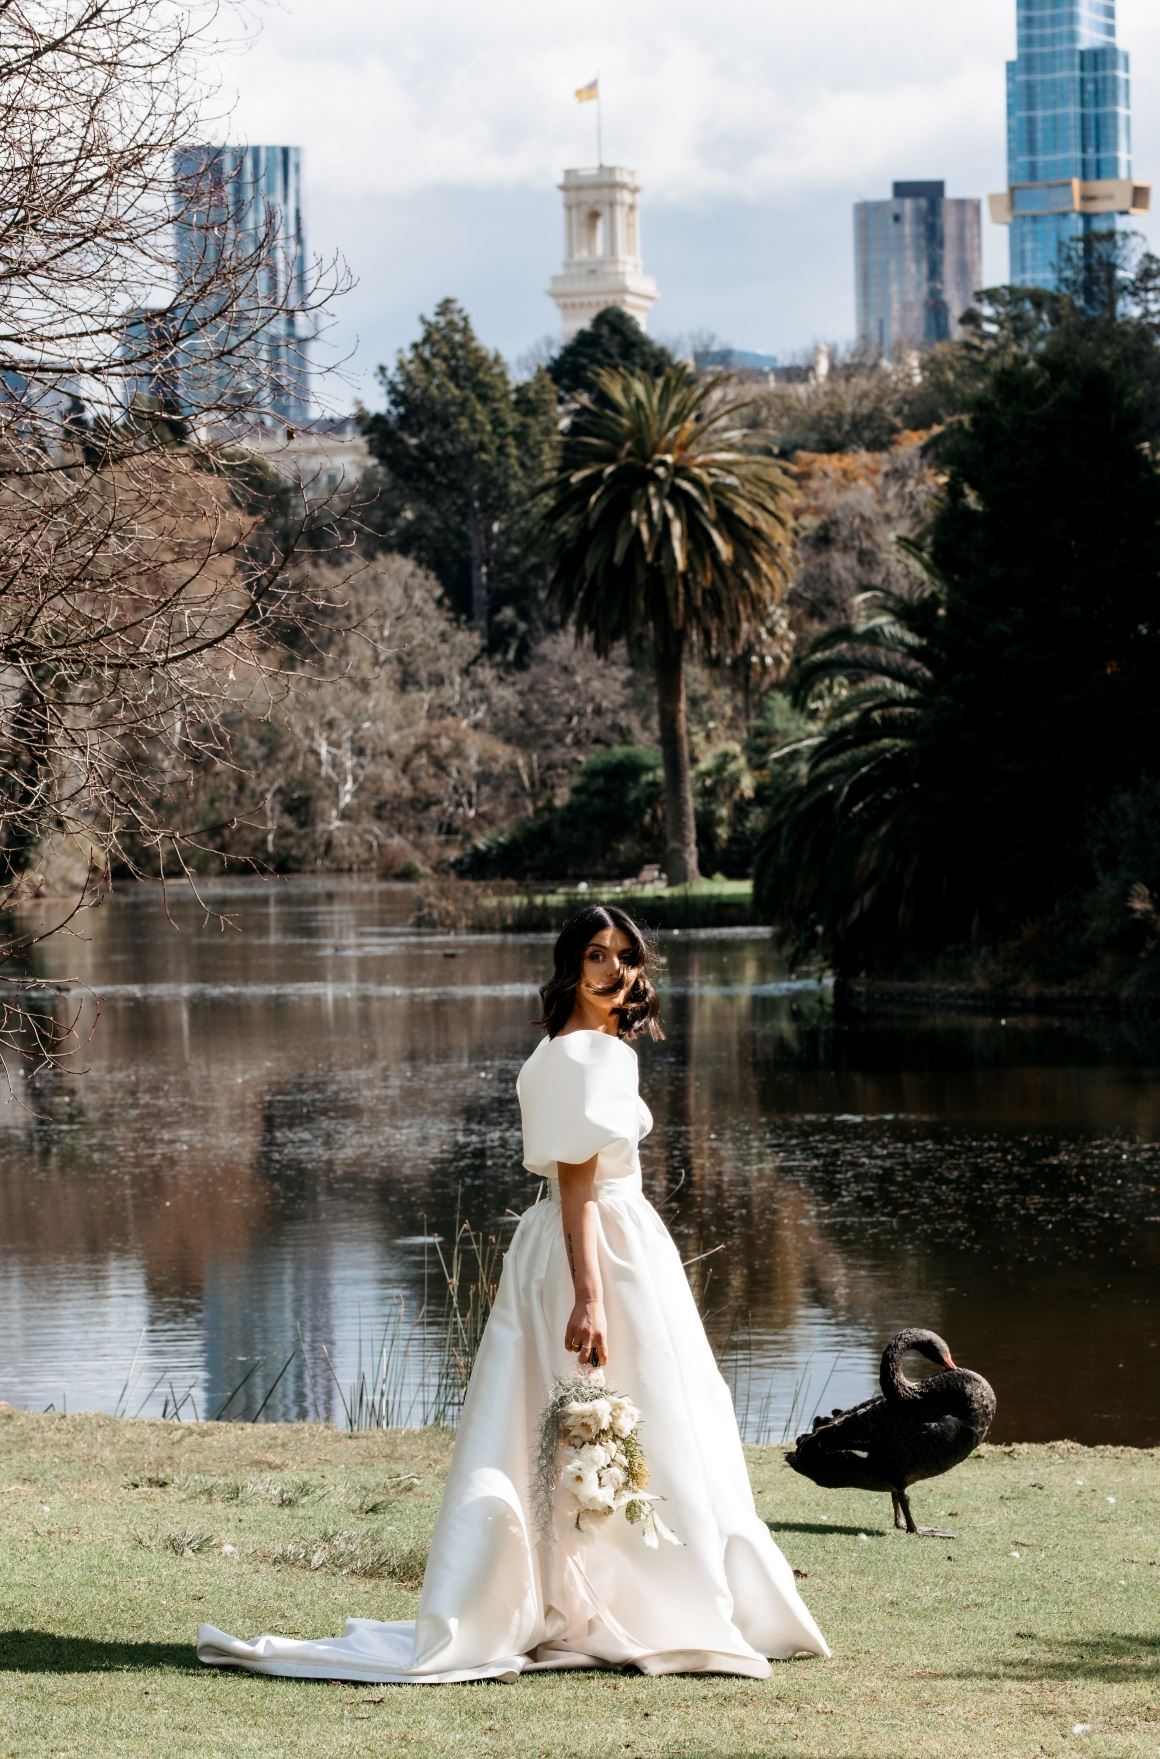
[(914, 1429)]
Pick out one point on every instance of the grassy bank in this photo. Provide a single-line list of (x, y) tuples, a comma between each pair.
[(114, 1546), (866, 996), (494, 906)]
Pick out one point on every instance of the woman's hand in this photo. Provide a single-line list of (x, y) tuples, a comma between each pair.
[(587, 1330)]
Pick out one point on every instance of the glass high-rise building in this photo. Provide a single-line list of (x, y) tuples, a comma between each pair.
[(918, 263), (1069, 146), (241, 264)]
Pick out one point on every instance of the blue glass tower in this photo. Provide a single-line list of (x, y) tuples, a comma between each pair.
[(243, 336), (1069, 151)]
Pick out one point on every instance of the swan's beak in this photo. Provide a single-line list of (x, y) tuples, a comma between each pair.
[(950, 1360)]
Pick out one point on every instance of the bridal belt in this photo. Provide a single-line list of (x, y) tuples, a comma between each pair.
[(612, 1186)]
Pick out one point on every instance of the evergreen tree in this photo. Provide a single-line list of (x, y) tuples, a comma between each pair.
[(612, 339), (461, 449), (969, 736)]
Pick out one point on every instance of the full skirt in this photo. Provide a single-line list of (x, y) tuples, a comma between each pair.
[(498, 1599)]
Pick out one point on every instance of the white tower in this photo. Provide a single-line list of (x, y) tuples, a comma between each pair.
[(602, 263)]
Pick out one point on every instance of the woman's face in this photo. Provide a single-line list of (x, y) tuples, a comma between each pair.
[(604, 978)]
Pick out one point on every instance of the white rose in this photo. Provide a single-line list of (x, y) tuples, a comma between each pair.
[(584, 1419), (624, 1417), (576, 1477)]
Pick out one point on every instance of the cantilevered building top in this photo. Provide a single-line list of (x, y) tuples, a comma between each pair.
[(1069, 147)]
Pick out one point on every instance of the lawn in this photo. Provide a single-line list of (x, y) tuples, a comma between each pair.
[(460, 906), (1035, 1631)]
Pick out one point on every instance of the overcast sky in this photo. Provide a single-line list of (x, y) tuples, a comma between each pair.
[(434, 133)]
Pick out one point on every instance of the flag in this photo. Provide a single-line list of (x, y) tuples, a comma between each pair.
[(586, 94)]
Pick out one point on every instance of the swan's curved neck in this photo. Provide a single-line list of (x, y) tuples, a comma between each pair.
[(895, 1384)]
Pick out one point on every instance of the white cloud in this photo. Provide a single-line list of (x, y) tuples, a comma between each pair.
[(738, 100), (429, 127)]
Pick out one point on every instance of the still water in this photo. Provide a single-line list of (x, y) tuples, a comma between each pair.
[(276, 1117)]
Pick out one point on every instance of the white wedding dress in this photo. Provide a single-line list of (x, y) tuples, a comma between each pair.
[(498, 1600)]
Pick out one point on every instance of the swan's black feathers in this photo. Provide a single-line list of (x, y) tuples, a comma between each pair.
[(913, 1430)]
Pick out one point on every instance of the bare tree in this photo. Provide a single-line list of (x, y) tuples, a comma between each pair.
[(139, 296)]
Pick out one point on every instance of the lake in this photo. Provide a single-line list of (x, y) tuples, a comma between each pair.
[(275, 1118)]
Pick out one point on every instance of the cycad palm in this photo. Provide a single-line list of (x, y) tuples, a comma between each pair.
[(844, 847), (665, 524)]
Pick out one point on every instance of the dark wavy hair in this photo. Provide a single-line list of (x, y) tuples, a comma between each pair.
[(640, 1013)]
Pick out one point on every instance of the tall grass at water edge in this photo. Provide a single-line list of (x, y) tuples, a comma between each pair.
[(413, 1372)]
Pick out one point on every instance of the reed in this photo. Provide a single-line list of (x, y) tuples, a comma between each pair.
[(413, 1371)]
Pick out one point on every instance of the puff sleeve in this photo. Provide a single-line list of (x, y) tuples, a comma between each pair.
[(578, 1095)]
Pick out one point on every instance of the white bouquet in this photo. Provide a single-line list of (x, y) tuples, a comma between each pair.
[(589, 1450)]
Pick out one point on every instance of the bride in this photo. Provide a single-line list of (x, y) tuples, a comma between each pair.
[(591, 1272)]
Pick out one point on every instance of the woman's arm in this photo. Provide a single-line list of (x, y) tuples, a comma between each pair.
[(587, 1328)]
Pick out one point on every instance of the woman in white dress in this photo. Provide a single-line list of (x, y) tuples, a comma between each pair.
[(590, 1272)]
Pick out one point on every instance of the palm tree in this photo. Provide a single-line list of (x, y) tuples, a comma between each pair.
[(663, 522)]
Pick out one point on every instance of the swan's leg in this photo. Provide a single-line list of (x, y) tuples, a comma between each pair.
[(902, 1507), (901, 1500)]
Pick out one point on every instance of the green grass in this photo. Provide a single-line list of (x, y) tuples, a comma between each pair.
[(464, 906), (111, 1551)]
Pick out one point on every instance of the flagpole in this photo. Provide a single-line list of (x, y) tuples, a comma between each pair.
[(599, 136)]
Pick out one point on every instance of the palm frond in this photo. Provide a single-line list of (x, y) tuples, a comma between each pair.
[(664, 517)]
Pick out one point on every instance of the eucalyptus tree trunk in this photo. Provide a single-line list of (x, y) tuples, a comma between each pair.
[(680, 824)]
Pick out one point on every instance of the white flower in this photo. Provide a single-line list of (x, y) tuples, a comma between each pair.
[(576, 1476), (624, 1416), (612, 1477), (596, 1456), (583, 1419), (594, 1496)]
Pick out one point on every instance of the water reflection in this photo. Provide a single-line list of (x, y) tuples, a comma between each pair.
[(275, 1116)]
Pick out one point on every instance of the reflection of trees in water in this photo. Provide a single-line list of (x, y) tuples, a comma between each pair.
[(253, 1309), (267, 1153), (97, 1176), (344, 1161), (755, 1242)]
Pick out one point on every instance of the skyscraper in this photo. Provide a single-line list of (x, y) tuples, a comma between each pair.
[(239, 241), (918, 265), (1069, 148)]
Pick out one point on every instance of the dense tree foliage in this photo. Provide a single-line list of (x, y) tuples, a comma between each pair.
[(612, 339), (969, 735), (460, 449)]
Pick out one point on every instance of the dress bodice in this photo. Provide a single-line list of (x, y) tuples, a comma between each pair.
[(579, 1097)]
